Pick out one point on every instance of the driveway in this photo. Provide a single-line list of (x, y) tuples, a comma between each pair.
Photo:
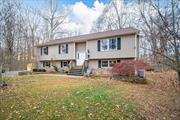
[(10, 74), (60, 75)]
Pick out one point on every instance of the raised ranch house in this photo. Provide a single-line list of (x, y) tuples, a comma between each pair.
[(96, 51)]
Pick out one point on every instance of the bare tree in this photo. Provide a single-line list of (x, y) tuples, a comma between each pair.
[(53, 20), (8, 13), (114, 16), (162, 32)]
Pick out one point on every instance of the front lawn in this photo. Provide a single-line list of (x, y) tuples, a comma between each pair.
[(45, 97)]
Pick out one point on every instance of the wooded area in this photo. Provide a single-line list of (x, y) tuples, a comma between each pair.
[(21, 29)]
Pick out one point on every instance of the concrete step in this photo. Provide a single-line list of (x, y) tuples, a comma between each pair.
[(76, 74), (77, 71)]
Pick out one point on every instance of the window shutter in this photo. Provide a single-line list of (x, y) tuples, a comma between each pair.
[(61, 64), (119, 43), (47, 50), (59, 48), (66, 48), (99, 63), (98, 45), (44, 64), (41, 51)]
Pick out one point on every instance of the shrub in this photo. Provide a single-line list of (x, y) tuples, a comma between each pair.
[(39, 70), (3, 71), (128, 67), (150, 68), (55, 68), (42, 70), (24, 73), (35, 70)]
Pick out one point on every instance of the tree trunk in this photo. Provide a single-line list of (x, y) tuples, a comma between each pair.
[(178, 76)]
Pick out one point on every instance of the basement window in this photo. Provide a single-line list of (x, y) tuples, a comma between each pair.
[(104, 63), (46, 64), (108, 63), (64, 63)]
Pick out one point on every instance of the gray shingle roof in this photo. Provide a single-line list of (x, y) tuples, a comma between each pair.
[(92, 36)]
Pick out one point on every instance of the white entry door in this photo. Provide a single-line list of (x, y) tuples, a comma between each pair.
[(80, 58)]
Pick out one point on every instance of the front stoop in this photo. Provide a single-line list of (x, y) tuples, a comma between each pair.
[(77, 71)]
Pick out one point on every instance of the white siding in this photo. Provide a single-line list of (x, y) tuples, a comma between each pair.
[(128, 48), (53, 53)]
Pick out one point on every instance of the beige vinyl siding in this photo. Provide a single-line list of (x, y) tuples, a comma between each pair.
[(128, 47), (53, 53), (81, 47), (93, 64)]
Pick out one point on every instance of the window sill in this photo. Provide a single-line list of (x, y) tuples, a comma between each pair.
[(109, 50)]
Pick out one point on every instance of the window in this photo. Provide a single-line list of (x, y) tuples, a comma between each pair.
[(45, 50), (63, 48), (108, 44), (46, 64), (112, 44), (104, 63), (64, 63), (112, 63), (107, 63), (104, 45)]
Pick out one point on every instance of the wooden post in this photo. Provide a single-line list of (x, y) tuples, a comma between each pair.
[(1, 74)]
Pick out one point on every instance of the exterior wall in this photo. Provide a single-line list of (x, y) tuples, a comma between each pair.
[(128, 49), (81, 47), (93, 64), (53, 53), (56, 63)]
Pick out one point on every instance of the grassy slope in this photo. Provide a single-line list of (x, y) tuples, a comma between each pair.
[(33, 97)]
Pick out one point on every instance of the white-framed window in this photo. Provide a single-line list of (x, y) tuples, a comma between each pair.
[(63, 48), (64, 63), (104, 45), (112, 44), (109, 44), (44, 50), (46, 64), (104, 63), (108, 63)]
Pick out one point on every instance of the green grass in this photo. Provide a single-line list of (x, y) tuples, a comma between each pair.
[(97, 98), (63, 98)]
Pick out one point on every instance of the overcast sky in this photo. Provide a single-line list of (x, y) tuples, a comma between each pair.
[(82, 12)]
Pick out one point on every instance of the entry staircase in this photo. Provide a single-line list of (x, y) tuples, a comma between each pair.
[(77, 71)]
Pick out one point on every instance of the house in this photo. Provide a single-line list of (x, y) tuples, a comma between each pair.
[(96, 51)]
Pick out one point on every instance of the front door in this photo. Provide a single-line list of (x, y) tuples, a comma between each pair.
[(80, 58)]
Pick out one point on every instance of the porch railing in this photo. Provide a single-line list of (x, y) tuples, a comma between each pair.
[(70, 66), (85, 66)]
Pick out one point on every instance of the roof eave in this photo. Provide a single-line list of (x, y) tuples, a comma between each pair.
[(51, 44)]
